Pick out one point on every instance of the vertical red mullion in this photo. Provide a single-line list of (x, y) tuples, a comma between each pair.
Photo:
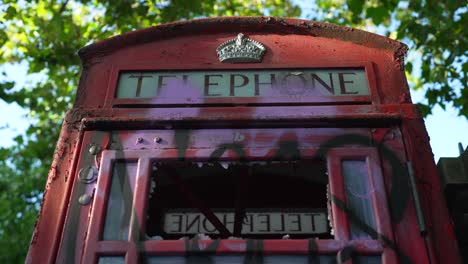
[(131, 257), (340, 219), (137, 221), (73, 233), (379, 202), (99, 205)]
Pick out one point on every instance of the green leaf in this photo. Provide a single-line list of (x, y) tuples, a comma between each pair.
[(425, 109), (3, 37), (377, 14), (10, 13), (356, 6), (409, 67), (19, 139), (6, 86)]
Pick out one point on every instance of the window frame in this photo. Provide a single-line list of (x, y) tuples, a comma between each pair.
[(132, 248)]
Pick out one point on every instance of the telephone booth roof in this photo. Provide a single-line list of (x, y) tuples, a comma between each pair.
[(235, 24), (290, 43)]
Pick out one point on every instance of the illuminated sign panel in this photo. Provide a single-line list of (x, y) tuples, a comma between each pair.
[(254, 222), (243, 83)]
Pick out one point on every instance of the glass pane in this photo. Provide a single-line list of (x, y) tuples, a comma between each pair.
[(358, 197), (367, 260), (166, 260), (112, 260), (120, 201), (221, 259), (240, 259), (292, 259)]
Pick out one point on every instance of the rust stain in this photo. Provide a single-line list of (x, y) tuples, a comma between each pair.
[(35, 234), (52, 174), (74, 116), (405, 98), (399, 55)]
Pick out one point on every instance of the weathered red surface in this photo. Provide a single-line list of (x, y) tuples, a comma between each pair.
[(384, 123), (289, 42), (441, 238), (48, 230)]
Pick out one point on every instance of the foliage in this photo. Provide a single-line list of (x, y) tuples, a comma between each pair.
[(47, 34), (435, 29)]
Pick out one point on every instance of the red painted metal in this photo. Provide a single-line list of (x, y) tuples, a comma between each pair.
[(95, 246), (441, 238), (48, 229), (384, 128), (379, 201)]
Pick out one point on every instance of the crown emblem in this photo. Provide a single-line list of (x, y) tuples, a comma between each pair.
[(240, 49)]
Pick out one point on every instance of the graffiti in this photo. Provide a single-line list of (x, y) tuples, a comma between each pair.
[(345, 254), (253, 250), (196, 254), (289, 150), (236, 147), (286, 150), (353, 217), (400, 191)]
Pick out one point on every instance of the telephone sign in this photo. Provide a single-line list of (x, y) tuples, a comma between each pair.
[(237, 83), (254, 222)]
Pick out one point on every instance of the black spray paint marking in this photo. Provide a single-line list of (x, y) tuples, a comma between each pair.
[(195, 254), (399, 193), (312, 249), (288, 150), (236, 147), (181, 138), (353, 217), (345, 254), (398, 199)]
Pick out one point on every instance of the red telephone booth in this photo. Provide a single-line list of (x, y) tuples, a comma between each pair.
[(243, 140)]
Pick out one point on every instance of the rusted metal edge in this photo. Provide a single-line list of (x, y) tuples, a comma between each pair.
[(256, 114), (125, 123), (244, 24)]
